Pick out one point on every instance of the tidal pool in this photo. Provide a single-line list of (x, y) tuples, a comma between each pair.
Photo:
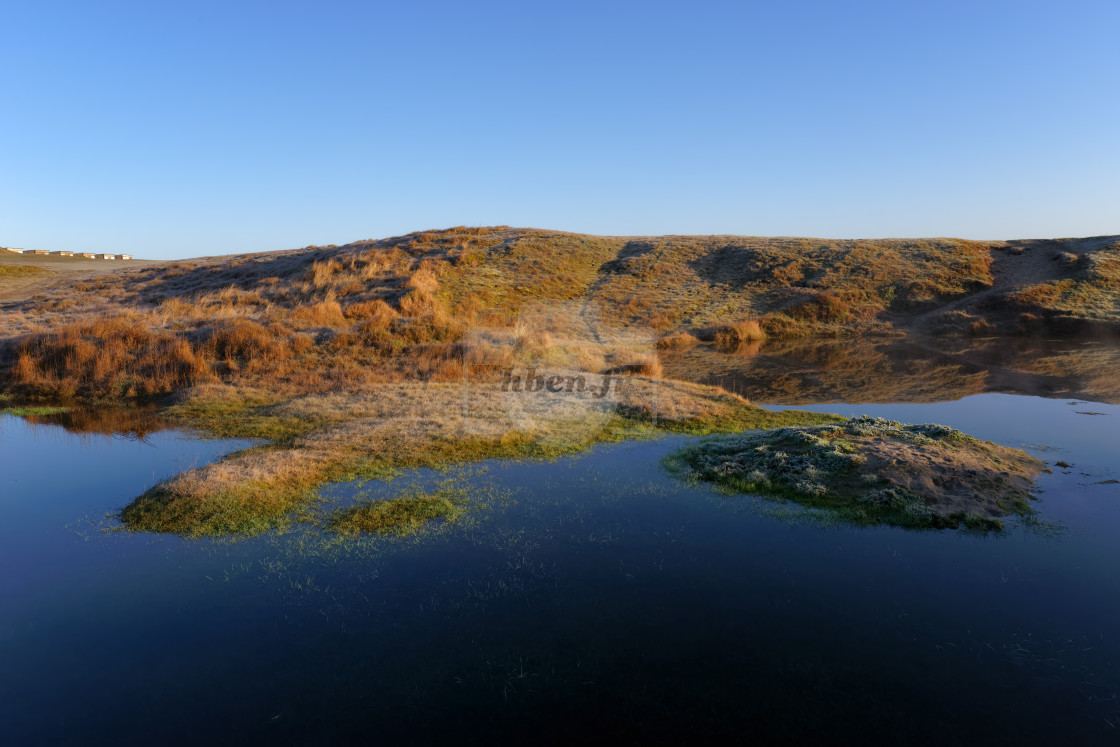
[(592, 596)]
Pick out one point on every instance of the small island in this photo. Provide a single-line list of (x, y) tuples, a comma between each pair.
[(874, 471)]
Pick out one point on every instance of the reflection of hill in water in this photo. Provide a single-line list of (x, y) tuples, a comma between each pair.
[(134, 423), (905, 370)]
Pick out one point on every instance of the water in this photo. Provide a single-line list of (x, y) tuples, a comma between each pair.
[(595, 596)]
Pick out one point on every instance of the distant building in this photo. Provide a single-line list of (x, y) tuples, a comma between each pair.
[(63, 254), (37, 251), (106, 256), (13, 249), (124, 256)]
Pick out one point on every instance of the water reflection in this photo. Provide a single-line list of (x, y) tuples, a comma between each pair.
[(905, 370), (135, 423)]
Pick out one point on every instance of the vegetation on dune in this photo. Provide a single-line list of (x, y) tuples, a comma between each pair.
[(872, 471), (1090, 288), (732, 337), (18, 271), (791, 287), (347, 317)]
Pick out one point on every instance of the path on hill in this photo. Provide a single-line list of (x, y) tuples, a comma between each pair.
[(1021, 264)]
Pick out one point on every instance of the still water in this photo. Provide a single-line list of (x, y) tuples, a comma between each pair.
[(593, 596)]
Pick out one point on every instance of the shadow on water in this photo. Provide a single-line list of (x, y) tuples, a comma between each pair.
[(904, 369)]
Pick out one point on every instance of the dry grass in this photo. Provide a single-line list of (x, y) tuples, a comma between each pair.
[(680, 339), (9, 271), (793, 287), (636, 362), (733, 336), (322, 314), (119, 357)]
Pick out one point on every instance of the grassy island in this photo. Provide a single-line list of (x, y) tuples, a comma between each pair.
[(873, 471)]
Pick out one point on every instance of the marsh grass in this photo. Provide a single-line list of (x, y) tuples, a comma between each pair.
[(403, 515), (27, 412)]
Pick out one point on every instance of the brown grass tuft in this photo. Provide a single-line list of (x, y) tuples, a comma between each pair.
[(677, 340), (377, 309), (322, 314), (732, 336), (636, 363)]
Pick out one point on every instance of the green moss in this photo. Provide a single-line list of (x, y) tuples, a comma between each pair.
[(861, 469), (401, 516)]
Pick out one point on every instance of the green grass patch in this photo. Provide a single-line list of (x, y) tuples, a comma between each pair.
[(741, 419), (249, 419), (23, 412), (402, 516), (265, 497)]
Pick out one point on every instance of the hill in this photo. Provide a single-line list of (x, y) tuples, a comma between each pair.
[(320, 318)]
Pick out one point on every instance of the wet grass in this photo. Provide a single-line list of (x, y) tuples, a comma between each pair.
[(872, 471), (250, 418), (273, 485), (402, 516), (26, 412)]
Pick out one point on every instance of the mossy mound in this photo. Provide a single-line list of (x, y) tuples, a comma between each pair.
[(874, 471)]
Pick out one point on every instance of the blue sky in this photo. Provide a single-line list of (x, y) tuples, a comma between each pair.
[(174, 129)]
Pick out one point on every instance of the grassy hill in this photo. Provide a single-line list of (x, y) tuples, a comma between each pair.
[(322, 318)]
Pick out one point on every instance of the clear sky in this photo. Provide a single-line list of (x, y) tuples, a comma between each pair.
[(174, 129)]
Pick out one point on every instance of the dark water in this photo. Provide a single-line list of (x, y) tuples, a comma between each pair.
[(594, 597)]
